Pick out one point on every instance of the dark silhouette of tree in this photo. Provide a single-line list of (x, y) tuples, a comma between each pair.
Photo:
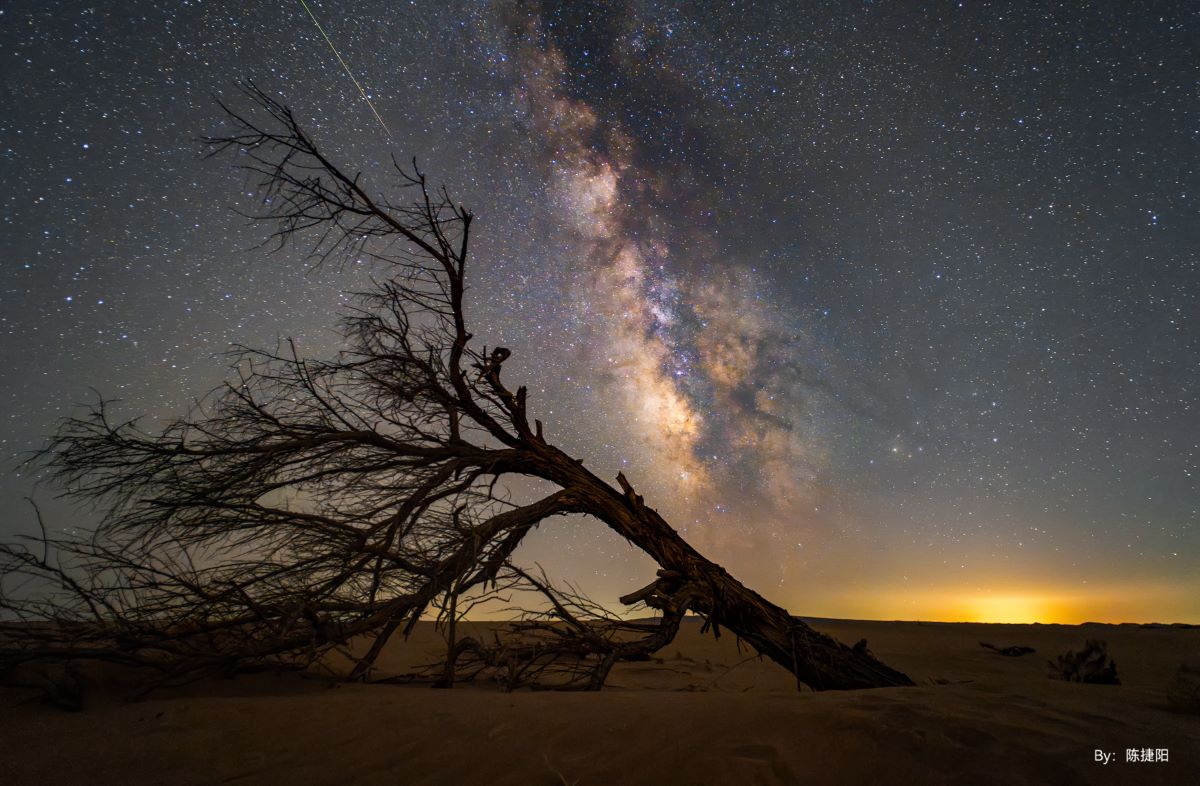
[(310, 505)]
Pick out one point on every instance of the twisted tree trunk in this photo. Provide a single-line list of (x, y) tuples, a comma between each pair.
[(689, 580)]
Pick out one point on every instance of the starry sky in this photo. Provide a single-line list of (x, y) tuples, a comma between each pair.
[(890, 308)]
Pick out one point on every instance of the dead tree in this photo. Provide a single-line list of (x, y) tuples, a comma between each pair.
[(308, 504)]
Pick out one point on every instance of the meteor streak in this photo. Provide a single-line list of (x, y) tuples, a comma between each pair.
[(345, 67)]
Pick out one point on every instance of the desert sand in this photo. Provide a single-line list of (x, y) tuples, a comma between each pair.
[(702, 713)]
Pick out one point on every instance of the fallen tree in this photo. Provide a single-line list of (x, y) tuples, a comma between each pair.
[(308, 504)]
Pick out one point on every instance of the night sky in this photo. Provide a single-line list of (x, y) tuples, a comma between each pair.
[(890, 308)]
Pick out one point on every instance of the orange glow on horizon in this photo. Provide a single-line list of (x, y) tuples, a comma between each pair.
[(1049, 605), (1013, 608)]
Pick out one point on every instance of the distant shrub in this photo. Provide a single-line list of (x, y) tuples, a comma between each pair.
[(1015, 651), (1183, 694), (1091, 664)]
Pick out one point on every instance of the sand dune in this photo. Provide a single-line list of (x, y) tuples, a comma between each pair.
[(705, 714)]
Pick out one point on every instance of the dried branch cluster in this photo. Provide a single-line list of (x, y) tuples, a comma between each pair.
[(310, 504), (570, 645), (1090, 664)]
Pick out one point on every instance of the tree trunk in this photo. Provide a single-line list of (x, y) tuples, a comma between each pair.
[(817, 660)]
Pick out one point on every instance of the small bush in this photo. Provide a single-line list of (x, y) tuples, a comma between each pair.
[(1183, 694), (1091, 664), (1015, 651)]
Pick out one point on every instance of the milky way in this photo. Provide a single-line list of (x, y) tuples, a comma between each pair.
[(678, 338), (891, 310)]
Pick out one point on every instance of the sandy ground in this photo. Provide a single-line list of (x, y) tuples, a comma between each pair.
[(703, 715)]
